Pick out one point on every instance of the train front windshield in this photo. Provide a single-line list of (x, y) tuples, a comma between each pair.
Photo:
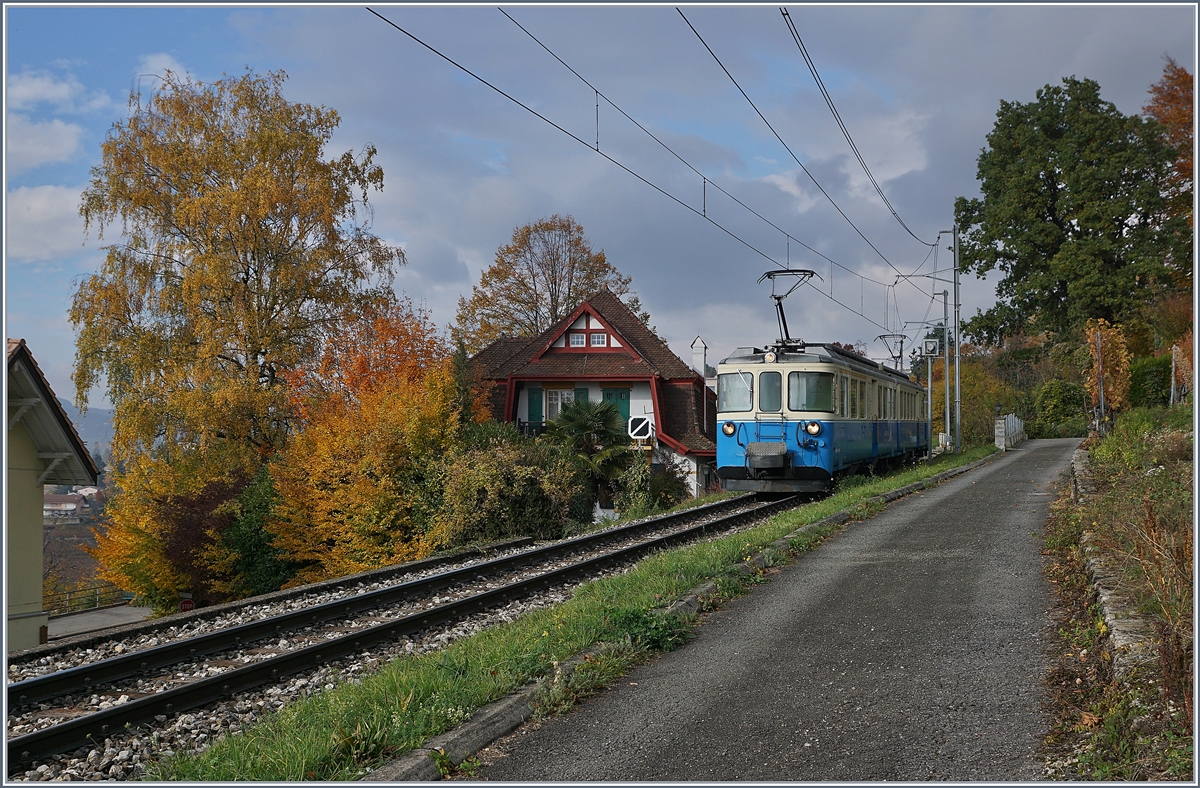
[(735, 391)]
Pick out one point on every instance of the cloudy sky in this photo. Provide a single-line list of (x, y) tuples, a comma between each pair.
[(916, 86)]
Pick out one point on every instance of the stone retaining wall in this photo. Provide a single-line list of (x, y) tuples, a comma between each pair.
[(1131, 636)]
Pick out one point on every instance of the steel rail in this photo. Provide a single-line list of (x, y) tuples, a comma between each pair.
[(85, 678), (86, 730)]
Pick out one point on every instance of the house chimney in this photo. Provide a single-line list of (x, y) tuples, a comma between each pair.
[(699, 355)]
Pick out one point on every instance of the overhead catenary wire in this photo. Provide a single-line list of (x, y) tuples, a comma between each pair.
[(573, 136), (594, 147), (796, 158), (812, 68), (706, 180)]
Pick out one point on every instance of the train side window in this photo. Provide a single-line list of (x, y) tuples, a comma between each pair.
[(854, 399), (770, 391), (735, 391), (810, 391)]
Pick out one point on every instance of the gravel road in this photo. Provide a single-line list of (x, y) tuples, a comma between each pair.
[(909, 647)]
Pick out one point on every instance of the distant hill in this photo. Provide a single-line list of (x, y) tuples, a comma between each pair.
[(95, 428)]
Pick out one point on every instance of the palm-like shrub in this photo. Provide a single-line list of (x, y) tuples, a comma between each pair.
[(595, 432)]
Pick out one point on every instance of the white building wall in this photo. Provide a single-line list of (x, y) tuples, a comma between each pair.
[(641, 403)]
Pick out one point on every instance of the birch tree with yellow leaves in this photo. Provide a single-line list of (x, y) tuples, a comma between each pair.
[(240, 249)]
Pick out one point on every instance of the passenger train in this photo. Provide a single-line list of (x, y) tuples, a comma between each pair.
[(793, 417)]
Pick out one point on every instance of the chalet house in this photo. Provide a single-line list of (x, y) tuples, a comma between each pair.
[(603, 352), (43, 448)]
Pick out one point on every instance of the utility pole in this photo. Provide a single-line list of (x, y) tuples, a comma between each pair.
[(957, 377), (929, 404), (1172, 402), (1100, 364), (946, 357)]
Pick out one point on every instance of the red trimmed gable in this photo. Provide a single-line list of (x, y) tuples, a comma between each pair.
[(596, 335)]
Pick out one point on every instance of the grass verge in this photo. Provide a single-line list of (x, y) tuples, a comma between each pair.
[(1137, 727), (339, 734)]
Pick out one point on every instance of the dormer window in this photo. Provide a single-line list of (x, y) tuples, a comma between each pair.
[(599, 340), (577, 340)]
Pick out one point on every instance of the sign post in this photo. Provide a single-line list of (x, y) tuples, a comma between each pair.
[(641, 428)]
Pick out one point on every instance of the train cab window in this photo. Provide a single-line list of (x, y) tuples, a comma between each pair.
[(770, 391), (810, 391), (735, 391)]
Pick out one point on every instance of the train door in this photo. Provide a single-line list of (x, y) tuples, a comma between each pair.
[(769, 421)]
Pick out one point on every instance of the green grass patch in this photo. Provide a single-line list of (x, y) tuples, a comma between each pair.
[(338, 734)]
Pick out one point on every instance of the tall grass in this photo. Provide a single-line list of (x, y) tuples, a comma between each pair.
[(1145, 519)]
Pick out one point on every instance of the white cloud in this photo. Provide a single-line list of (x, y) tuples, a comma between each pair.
[(30, 88), (896, 146), (43, 223), (29, 144), (788, 184), (159, 64)]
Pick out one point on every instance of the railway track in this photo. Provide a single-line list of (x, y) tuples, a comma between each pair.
[(79, 707)]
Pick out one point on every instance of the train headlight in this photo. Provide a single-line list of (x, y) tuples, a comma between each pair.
[(769, 357), (813, 428), (729, 428)]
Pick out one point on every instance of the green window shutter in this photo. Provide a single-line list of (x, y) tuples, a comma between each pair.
[(581, 395), (535, 404)]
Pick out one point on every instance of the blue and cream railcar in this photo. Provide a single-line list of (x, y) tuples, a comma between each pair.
[(795, 417)]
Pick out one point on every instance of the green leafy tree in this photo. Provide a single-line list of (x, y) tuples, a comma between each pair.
[(243, 561), (1073, 213), (1150, 382), (511, 486), (1060, 401)]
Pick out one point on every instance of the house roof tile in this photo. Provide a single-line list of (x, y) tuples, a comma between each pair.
[(682, 416), (514, 355)]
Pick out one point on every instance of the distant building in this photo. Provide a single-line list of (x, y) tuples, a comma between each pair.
[(70, 505), (602, 351), (43, 448)]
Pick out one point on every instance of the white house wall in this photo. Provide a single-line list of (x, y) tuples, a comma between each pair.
[(641, 403)]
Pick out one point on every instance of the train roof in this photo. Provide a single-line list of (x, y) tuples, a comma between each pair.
[(816, 353)]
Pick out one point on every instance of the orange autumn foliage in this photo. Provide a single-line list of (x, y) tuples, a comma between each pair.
[(1112, 360), (377, 409), (1171, 105)]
